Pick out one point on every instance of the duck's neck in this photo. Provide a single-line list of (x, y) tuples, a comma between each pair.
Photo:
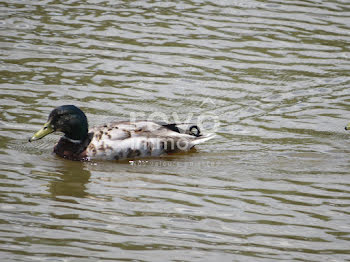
[(76, 134), (74, 141)]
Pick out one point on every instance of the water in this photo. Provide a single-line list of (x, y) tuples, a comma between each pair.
[(273, 185)]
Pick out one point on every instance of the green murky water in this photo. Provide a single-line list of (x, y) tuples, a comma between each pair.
[(273, 185)]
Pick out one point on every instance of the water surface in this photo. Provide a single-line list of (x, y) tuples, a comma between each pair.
[(273, 185)]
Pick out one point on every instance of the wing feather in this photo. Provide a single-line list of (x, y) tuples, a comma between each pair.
[(121, 140)]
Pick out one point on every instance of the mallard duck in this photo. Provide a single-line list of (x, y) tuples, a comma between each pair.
[(116, 140)]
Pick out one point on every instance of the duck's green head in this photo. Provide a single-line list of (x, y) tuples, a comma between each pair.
[(347, 127), (68, 119)]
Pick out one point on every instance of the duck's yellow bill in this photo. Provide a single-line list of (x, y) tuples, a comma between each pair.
[(347, 127), (44, 131)]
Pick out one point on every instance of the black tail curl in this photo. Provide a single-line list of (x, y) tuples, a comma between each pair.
[(194, 131)]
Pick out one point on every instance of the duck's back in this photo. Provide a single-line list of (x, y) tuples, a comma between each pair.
[(123, 140)]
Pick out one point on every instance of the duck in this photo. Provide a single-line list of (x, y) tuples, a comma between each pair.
[(116, 140)]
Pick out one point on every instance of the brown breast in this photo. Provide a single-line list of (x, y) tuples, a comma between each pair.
[(72, 151)]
